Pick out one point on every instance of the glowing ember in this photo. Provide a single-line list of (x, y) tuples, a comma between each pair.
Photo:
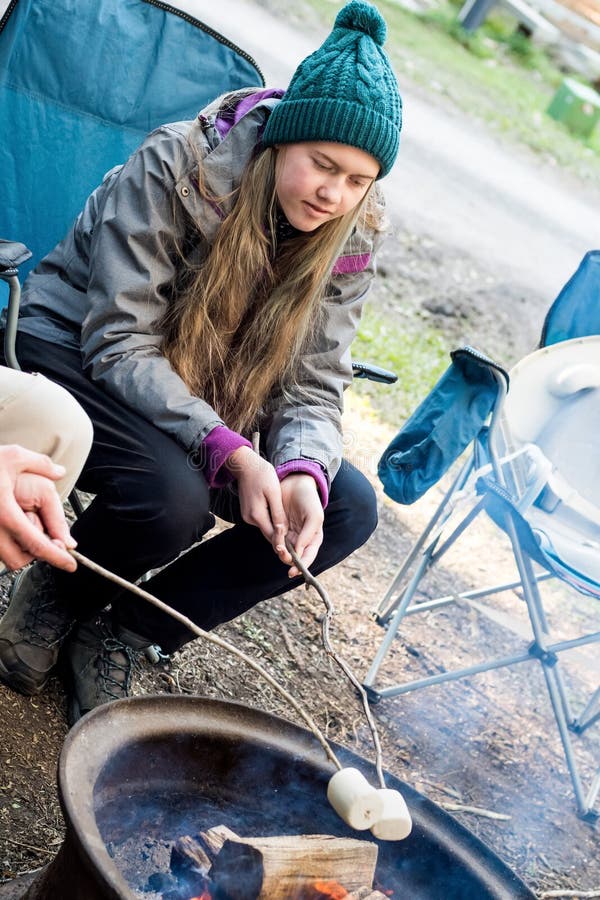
[(328, 890), (205, 895)]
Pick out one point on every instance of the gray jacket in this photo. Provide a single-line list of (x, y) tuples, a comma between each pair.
[(105, 286)]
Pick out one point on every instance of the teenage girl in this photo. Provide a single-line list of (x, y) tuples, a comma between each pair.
[(210, 289)]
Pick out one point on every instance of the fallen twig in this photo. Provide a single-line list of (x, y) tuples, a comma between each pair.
[(30, 847), (476, 811), (443, 788), (310, 579), (213, 639)]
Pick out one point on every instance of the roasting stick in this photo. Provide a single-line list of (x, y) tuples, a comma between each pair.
[(312, 581), (213, 639), (384, 811), (358, 803)]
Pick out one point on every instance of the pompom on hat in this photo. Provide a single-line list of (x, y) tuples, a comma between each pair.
[(345, 91)]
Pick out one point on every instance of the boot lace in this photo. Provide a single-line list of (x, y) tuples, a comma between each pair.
[(116, 664), (46, 624)]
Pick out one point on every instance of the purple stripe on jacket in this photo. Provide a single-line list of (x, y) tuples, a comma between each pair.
[(230, 117), (350, 265)]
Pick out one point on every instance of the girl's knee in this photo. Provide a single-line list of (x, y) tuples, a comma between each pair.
[(364, 510), (354, 501), (176, 500)]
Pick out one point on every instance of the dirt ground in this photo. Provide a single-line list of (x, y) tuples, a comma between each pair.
[(488, 743)]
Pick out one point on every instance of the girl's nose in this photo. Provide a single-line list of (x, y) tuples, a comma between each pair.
[(329, 191)]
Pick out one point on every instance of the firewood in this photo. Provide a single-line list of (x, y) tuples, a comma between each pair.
[(187, 853), (214, 838), (276, 868)]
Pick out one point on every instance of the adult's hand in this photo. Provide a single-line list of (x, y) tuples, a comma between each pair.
[(32, 521), (304, 511), (259, 491)]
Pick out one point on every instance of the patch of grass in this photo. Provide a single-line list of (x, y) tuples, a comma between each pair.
[(494, 76), (415, 351)]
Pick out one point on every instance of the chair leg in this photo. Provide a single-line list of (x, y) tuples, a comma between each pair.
[(393, 597), (584, 803), (393, 626), (590, 714), (553, 676)]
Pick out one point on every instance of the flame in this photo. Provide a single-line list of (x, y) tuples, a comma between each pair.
[(329, 890), (205, 895)]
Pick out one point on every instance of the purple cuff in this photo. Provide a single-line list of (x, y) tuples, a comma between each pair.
[(217, 447), (308, 467)]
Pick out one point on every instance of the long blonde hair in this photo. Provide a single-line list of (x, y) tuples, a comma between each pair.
[(237, 328)]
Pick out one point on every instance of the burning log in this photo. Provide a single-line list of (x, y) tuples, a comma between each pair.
[(280, 867), (188, 854)]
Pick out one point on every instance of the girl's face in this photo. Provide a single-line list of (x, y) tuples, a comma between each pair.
[(317, 181)]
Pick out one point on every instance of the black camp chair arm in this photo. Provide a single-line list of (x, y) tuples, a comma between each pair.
[(12, 254), (373, 373)]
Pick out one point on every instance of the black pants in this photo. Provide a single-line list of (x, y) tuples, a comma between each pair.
[(151, 504)]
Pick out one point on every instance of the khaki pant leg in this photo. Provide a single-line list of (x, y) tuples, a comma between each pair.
[(42, 416)]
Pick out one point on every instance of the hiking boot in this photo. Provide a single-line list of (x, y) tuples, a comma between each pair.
[(32, 630), (100, 667)]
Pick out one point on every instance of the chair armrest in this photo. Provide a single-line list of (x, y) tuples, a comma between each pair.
[(579, 377), (12, 254), (373, 373)]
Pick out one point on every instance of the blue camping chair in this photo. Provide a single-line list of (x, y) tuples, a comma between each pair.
[(81, 85), (535, 470)]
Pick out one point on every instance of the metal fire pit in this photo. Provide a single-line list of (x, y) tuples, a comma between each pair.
[(167, 766)]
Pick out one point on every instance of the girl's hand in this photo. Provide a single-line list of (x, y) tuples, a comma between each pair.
[(304, 511), (259, 492)]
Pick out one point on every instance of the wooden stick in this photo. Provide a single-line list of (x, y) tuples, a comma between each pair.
[(213, 639), (329, 611), (476, 811), (31, 847)]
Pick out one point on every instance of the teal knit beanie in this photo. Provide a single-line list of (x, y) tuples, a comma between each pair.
[(345, 91)]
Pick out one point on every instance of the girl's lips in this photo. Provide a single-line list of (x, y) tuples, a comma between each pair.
[(317, 209)]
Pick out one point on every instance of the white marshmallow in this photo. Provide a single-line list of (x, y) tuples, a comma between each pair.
[(394, 823), (356, 801)]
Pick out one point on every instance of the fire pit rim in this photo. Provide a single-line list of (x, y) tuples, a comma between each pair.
[(102, 729)]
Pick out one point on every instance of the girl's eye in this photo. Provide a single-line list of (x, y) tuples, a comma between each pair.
[(322, 165)]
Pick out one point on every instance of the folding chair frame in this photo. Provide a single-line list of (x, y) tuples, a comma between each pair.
[(399, 601)]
